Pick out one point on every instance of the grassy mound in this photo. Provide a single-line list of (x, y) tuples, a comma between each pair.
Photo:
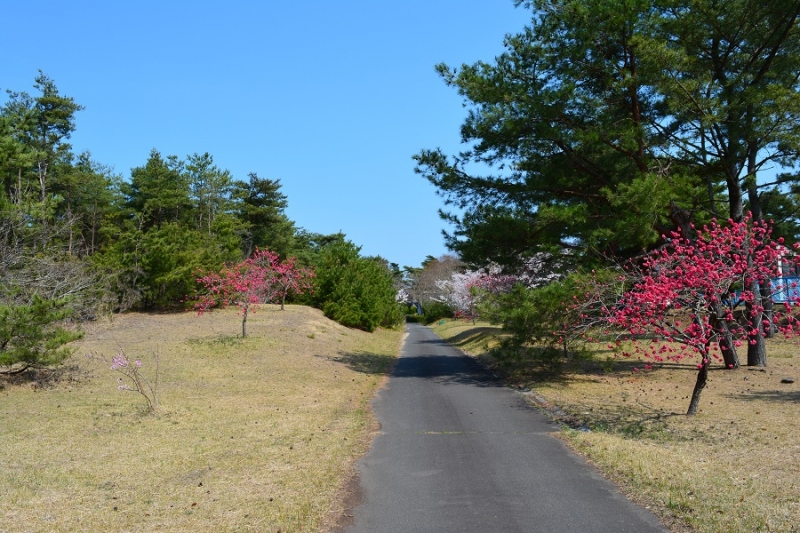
[(253, 434)]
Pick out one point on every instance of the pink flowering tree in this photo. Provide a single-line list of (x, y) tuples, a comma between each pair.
[(260, 279), (681, 302), (287, 277), (136, 381)]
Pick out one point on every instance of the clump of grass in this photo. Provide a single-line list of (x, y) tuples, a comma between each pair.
[(254, 436), (735, 466), (218, 340)]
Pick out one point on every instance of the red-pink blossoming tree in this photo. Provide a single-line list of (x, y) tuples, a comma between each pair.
[(260, 279), (289, 278), (683, 298)]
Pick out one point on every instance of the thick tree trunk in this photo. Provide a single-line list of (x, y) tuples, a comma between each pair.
[(682, 218), (700, 384), (757, 351), (756, 346), (726, 342)]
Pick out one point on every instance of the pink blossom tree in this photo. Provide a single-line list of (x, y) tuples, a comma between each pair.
[(289, 278), (260, 279), (682, 295)]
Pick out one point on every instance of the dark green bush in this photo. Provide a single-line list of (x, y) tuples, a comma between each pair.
[(355, 291), (31, 333), (436, 311), (543, 316)]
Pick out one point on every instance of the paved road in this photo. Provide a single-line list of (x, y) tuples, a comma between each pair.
[(460, 453)]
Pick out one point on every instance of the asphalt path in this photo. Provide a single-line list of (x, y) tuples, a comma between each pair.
[(459, 452)]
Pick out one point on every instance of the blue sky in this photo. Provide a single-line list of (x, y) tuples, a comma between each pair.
[(332, 98)]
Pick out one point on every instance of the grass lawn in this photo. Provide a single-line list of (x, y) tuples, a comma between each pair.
[(254, 434), (734, 467)]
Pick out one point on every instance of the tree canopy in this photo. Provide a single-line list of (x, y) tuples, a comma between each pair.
[(604, 125)]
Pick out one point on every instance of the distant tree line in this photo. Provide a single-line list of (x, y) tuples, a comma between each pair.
[(77, 239)]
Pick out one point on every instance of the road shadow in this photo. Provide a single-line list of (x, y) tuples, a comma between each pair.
[(441, 368), (445, 368)]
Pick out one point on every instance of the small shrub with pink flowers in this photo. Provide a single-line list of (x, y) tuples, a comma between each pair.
[(133, 380)]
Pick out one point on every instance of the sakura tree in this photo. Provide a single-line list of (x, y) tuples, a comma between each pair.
[(458, 291), (683, 298), (260, 279), (463, 290), (539, 270)]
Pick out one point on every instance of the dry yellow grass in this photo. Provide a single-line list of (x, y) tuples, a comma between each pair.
[(253, 434), (735, 467)]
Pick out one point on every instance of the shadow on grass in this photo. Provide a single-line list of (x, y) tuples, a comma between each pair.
[(218, 340), (475, 334), (616, 366), (48, 377), (628, 421), (367, 363), (776, 396)]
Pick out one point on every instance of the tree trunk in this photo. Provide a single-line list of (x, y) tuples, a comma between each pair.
[(71, 230), (757, 350), (769, 309), (16, 368), (249, 240), (94, 226), (757, 346), (42, 168), (700, 384), (244, 322), (726, 343), (682, 220)]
